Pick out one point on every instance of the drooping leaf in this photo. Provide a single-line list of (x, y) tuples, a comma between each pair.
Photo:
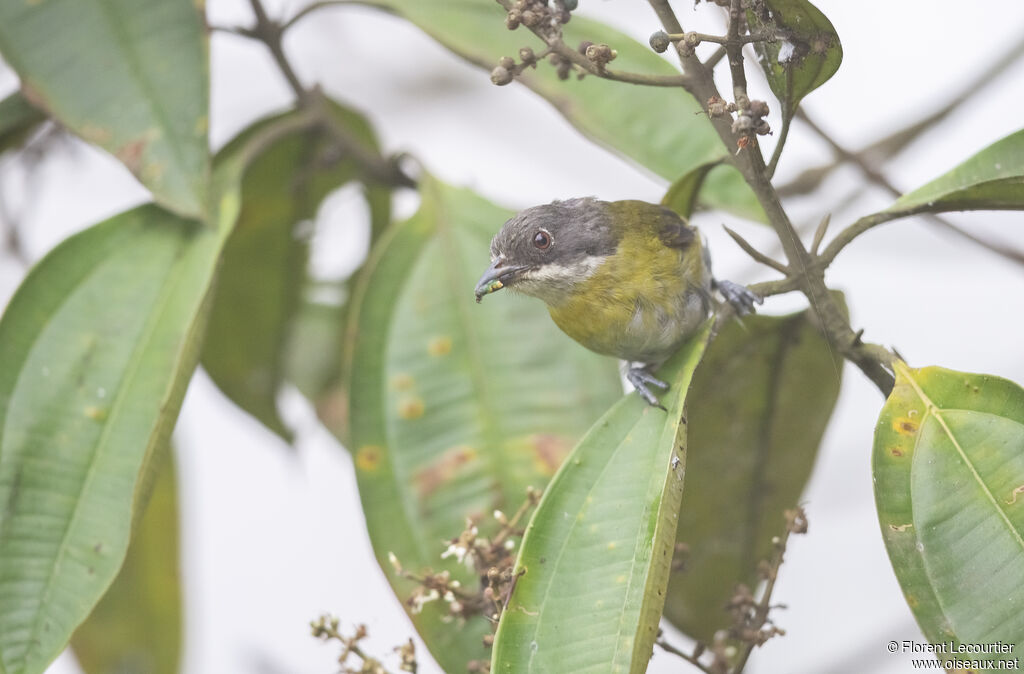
[(18, 118), (128, 75), (137, 627), (661, 128), (758, 407), (948, 466), (261, 278), (595, 558), (805, 53), (455, 407), (993, 179)]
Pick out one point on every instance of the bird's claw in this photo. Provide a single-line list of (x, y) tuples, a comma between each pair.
[(740, 297), (640, 379)]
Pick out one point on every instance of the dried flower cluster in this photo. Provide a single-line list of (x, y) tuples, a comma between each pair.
[(327, 627), (492, 560)]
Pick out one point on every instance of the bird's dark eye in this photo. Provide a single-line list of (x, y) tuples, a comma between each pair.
[(542, 240)]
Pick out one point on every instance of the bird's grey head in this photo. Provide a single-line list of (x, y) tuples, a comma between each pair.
[(544, 250)]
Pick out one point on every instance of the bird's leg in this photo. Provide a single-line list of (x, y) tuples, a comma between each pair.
[(640, 378), (740, 297)]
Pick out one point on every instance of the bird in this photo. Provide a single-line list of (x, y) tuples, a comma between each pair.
[(628, 279)]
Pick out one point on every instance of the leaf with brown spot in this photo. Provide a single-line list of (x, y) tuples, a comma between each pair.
[(507, 374), (115, 72)]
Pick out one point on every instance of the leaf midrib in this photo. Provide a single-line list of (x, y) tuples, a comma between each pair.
[(934, 410), (115, 411)]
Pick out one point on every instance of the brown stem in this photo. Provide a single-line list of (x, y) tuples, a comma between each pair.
[(271, 33), (669, 648), (873, 360)]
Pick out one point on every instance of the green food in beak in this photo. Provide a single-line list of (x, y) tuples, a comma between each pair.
[(495, 278)]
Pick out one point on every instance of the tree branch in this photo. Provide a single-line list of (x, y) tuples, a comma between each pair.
[(873, 360), (271, 32)]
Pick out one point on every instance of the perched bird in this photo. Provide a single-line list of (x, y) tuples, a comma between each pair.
[(625, 278)]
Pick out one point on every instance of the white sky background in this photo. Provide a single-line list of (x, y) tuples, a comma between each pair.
[(272, 539)]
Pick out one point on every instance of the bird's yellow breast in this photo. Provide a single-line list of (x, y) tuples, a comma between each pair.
[(641, 302)]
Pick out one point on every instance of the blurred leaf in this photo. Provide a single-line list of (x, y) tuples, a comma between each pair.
[(264, 262), (758, 407), (661, 128), (993, 179), (136, 627), (948, 466), (681, 196), (128, 75), (18, 118), (455, 407), (596, 556), (805, 55), (705, 184)]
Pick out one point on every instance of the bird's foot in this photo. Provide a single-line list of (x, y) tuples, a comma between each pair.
[(740, 297), (640, 379)]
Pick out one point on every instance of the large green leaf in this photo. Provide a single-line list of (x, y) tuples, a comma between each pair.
[(758, 406), (993, 179), (128, 75), (262, 275), (136, 627), (455, 407), (596, 556), (18, 118), (805, 54), (948, 466), (96, 348), (661, 128)]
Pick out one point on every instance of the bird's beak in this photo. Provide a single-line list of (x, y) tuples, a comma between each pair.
[(497, 276)]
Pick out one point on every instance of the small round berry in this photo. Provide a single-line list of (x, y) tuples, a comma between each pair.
[(660, 42), (501, 76), (507, 62)]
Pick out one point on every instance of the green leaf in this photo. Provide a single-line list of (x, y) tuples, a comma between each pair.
[(455, 407), (948, 467), (759, 404), (681, 196), (128, 75), (661, 128), (993, 179), (260, 283), (136, 627), (595, 558), (96, 348), (18, 118), (705, 184), (807, 46)]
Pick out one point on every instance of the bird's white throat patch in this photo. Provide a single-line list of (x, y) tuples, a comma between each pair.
[(553, 282)]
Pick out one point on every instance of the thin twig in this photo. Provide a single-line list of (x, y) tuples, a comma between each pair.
[(819, 233), (756, 254), (270, 33), (669, 648), (777, 153), (897, 141), (877, 178), (715, 57)]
